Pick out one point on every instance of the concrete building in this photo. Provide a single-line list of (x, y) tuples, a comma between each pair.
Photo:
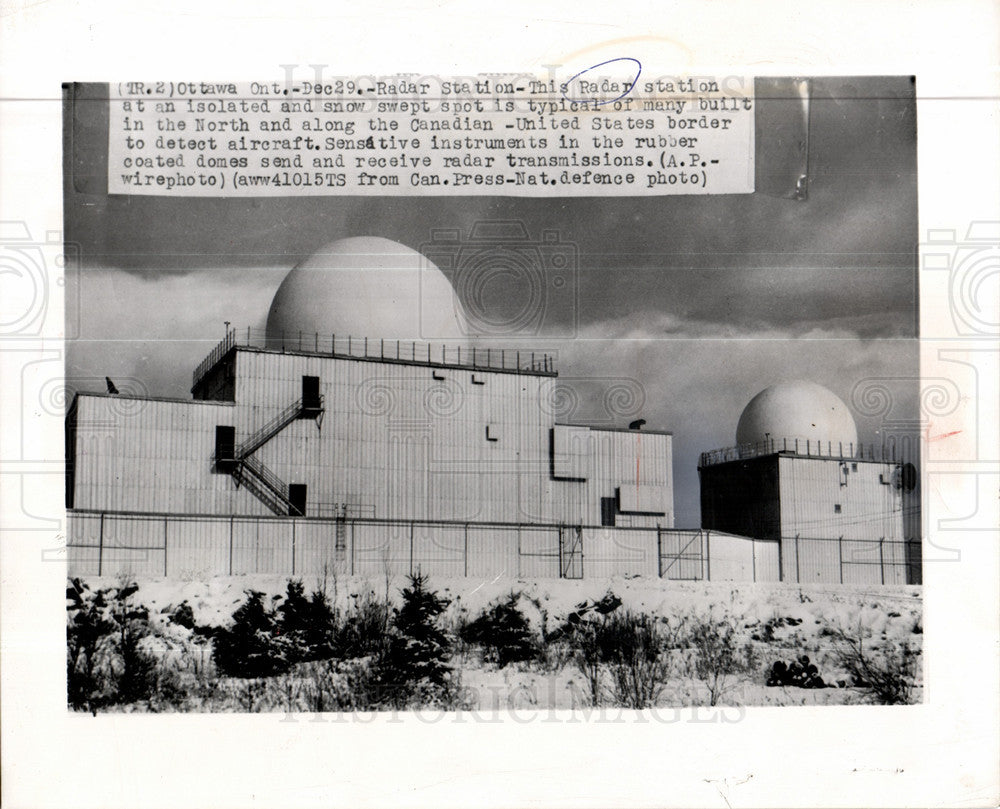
[(798, 478)]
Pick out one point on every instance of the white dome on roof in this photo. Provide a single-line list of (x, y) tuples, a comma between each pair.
[(366, 286), (797, 410)]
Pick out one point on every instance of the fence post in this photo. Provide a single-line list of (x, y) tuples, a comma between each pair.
[(411, 546), (579, 544), (840, 553), (798, 575), (881, 559), (100, 548), (164, 547), (352, 547), (560, 553), (466, 551), (708, 555), (231, 545), (659, 553), (293, 547)]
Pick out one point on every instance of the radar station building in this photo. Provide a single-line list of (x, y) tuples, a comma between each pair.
[(366, 449), (797, 478), (364, 432)]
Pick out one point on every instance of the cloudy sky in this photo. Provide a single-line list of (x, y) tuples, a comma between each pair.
[(697, 301)]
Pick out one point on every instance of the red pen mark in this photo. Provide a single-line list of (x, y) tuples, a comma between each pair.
[(928, 437)]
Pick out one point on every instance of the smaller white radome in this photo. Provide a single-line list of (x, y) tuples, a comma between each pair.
[(798, 410)]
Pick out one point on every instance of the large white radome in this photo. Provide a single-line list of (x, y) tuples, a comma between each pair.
[(366, 286), (797, 410)]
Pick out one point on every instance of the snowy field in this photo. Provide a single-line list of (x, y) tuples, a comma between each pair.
[(778, 622)]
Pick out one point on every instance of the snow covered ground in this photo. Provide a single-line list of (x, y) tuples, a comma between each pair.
[(782, 622)]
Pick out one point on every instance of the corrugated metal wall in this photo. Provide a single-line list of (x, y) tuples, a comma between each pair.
[(841, 521), (604, 460), (396, 441), (730, 557), (403, 441), (152, 455)]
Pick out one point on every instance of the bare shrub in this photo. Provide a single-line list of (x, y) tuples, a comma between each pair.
[(887, 670), (719, 660), (638, 648), (250, 693), (363, 629), (624, 657), (588, 657)]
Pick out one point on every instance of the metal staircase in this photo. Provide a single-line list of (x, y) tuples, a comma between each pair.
[(270, 430), (267, 486), (250, 471)]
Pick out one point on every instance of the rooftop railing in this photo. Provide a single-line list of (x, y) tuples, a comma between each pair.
[(801, 447), (346, 346)]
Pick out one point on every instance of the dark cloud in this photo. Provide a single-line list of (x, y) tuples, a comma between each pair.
[(741, 260)]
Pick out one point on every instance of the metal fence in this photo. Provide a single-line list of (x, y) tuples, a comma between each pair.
[(172, 546), (802, 448), (348, 346)]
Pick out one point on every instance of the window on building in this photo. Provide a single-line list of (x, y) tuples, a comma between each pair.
[(836, 508), (608, 508), (225, 444), (310, 392), (297, 499)]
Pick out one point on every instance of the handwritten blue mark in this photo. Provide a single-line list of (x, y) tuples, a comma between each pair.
[(631, 85)]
